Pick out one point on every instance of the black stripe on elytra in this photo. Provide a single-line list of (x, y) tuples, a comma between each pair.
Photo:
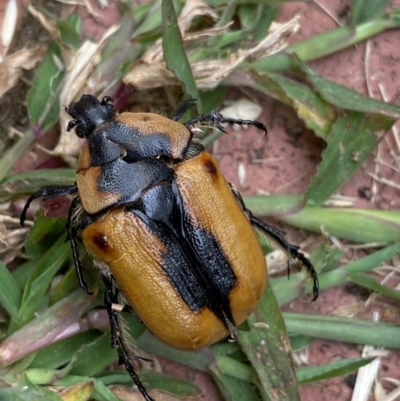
[(210, 263)]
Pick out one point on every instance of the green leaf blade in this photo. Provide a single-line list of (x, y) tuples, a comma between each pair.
[(174, 52), (353, 137), (43, 103), (310, 374), (349, 330), (268, 349), (10, 294), (367, 10)]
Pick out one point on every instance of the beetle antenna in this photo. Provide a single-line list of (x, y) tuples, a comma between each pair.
[(216, 120)]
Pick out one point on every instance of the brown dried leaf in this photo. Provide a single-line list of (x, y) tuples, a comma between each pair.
[(192, 9), (130, 394), (206, 33), (49, 25), (11, 67), (274, 42), (151, 72)]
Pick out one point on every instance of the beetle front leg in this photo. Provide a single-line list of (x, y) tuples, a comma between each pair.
[(216, 119), (48, 192), (183, 108), (117, 339)]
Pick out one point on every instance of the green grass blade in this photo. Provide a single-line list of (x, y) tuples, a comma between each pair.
[(161, 381), (199, 359), (268, 14), (273, 363), (27, 391), (232, 367), (94, 357), (29, 182), (367, 10), (247, 15), (61, 352), (297, 343), (354, 135), (233, 389), (40, 280), (151, 18), (10, 294), (15, 152), (317, 114), (170, 384), (309, 374), (299, 283), (349, 330), (42, 330), (346, 98), (324, 44), (356, 225), (273, 205), (43, 103), (43, 234), (174, 53), (373, 285)]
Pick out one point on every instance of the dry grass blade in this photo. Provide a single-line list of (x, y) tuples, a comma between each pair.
[(9, 23), (367, 374), (47, 24), (12, 66)]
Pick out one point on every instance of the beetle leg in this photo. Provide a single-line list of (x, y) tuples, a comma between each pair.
[(48, 192), (290, 249), (117, 340), (182, 108), (216, 119), (276, 239), (72, 232)]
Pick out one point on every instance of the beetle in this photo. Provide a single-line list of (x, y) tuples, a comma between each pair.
[(172, 240)]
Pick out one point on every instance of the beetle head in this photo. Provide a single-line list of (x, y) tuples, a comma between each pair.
[(88, 113)]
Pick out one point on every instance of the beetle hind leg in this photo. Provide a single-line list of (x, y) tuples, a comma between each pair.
[(276, 240), (74, 225), (118, 340)]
